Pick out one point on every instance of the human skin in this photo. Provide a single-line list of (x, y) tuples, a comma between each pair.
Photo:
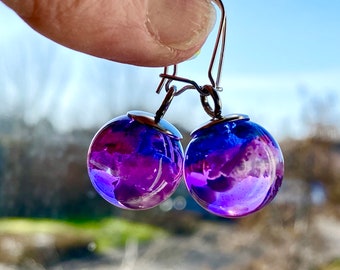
[(138, 32)]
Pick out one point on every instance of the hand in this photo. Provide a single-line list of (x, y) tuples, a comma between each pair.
[(139, 32)]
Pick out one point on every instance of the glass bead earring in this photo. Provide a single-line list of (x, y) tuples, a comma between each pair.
[(135, 161), (233, 167)]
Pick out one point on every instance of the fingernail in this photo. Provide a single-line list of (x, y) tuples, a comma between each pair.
[(179, 24)]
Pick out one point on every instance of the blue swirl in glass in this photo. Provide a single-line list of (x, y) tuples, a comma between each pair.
[(135, 163), (233, 167)]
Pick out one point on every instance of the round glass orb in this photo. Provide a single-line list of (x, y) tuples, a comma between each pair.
[(135, 163), (233, 167)]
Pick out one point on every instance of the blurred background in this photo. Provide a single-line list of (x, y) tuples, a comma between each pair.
[(282, 68)]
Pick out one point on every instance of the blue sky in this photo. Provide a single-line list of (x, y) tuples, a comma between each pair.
[(284, 35), (280, 54)]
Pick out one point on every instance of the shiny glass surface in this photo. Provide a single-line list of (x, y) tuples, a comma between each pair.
[(233, 168), (134, 165)]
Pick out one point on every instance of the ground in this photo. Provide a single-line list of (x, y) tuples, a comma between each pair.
[(223, 245)]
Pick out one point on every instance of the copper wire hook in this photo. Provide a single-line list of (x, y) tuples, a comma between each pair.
[(163, 80), (219, 44), (206, 90)]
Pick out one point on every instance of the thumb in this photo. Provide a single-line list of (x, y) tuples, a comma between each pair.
[(139, 32)]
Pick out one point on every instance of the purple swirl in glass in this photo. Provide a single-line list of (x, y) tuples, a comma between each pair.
[(233, 167), (135, 163)]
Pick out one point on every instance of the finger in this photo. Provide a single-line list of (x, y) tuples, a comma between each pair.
[(139, 32)]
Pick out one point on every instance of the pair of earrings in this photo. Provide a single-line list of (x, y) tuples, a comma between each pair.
[(232, 166)]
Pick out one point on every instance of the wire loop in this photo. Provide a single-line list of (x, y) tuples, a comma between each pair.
[(216, 111)]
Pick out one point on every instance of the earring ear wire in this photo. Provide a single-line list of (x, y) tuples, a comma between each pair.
[(206, 90), (219, 44)]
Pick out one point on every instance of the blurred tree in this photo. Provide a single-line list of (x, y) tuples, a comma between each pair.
[(43, 174), (316, 158)]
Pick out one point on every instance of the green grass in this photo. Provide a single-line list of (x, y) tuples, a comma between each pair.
[(106, 233), (334, 265)]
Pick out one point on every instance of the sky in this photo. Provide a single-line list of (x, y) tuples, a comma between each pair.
[(280, 57)]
